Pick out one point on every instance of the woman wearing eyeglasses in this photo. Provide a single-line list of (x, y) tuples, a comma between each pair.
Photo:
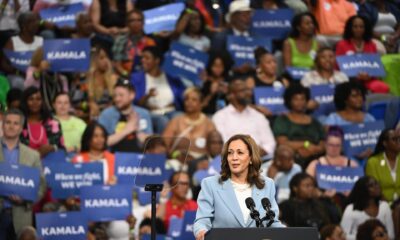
[(372, 229)]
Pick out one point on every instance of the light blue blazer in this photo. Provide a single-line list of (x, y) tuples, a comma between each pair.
[(218, 206)]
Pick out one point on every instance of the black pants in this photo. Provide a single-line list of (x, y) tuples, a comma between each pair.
[(7, 231)]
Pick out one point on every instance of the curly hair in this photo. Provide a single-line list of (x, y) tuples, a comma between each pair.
[(292, 90), (365, 230), (253, 176), (343, 92)]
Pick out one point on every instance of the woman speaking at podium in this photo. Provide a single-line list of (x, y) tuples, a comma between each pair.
[(222, 199)]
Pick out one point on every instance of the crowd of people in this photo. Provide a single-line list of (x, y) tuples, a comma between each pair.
[(127, 102)]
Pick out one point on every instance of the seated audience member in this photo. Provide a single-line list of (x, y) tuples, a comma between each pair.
[(14, 96), (357, 38), (349, 98), (127, 125), (9, 19), (332, 232), (28, 233), (372, 229), (157, 91), (384, 164), (41, 131), (72, 127), (303, 209), (324, 70), (192, 124), (84, 27), (230, 120), (178, 203), (145, 227), (365, 204), (281, 169), (127, 48), (300, 48), (94, 148), (298, 129), (332, 17), (268, 4), (215, 86), (16, 213), (100, 81)]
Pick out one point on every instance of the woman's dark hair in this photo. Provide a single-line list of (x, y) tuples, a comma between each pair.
[(88, 135), (61, 94), (335, 131), (155, 51), (293, 89), (296, 181), (44, 112), (348, 29), (253, 176), (366, 229), (359, 195), (135, 11), (343, 92), (14, 94), (202, 21), (327, 231), (296, 22), (259, 52), (171, 178), (160, 228), (379, 148), (226, 59)]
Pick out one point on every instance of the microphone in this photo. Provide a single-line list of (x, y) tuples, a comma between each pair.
[(254, 214), (269, 214)]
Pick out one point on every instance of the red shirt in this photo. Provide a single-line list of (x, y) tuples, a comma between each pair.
[(178, 211), (346, 47)]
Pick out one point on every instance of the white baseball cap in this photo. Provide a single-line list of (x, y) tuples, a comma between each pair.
[(237, 6)]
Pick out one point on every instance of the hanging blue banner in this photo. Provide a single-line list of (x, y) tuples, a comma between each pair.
[(67, 55), (106, 203), (359, 137), (297, 73), (19, 60), (162, 18), (19, 180), (352, 65), (186, 62), (61, 226), (62, 15), (342, 179), (274, 24), (271, 98), (323, 94), (242, 48), (66, 179)]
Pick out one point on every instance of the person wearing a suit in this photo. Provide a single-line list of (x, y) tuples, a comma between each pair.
[(221, 202), (16, 213)]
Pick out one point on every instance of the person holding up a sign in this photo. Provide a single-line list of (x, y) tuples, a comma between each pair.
[(15, 213), (357, 38)]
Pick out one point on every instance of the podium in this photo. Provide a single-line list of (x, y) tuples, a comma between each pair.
[(263, 233)]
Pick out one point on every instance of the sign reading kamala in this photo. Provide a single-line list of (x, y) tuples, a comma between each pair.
[(63, 15), (242, 48), (126, 167), (352, 65), (67, 55), (359, 137), (275, 24), (19, 60), (106, 203), (151, 170), (323, 94), (66, 179), (19, 180), (162, 18), (186, 62), (271, 98), (297, 73), (61, 226), (340, 178), (187, 225)]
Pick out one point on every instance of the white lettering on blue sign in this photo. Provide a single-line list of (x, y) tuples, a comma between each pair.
[(324, 99), (19, 181), (338, 178), (189, 228), (271, 101), (237, 47), (361, 64), (107, 202), (64, 230), (54, 55), (64, 18), (194, 62), (164, 18), (148, 171), (22, 62), (272, 24)]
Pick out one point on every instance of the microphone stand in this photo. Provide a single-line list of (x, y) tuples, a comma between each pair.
[(269, 215), (256, 216)]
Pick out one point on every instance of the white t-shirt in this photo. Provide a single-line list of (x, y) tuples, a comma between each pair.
[(242, 191), (21, 46), (164, 97)]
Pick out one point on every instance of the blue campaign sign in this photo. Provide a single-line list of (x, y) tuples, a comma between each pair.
[(215, 166), (275, 24), (106, 203), (151, 170), (67, 55), (19, 180), (271, 98), (59, 156), (186, 62), (242, 48), (144, 197), (61, 226), (175, 227), (352, 65), (63, 15), (126, 167), (359, 137), (19, 60), (199, 175), (341, 179), (158, 237), (297, 73), (187, 225), (66, 179), (323, 94), (163, 18)]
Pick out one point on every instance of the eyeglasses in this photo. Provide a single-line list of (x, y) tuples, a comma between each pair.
[(379, 234)]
